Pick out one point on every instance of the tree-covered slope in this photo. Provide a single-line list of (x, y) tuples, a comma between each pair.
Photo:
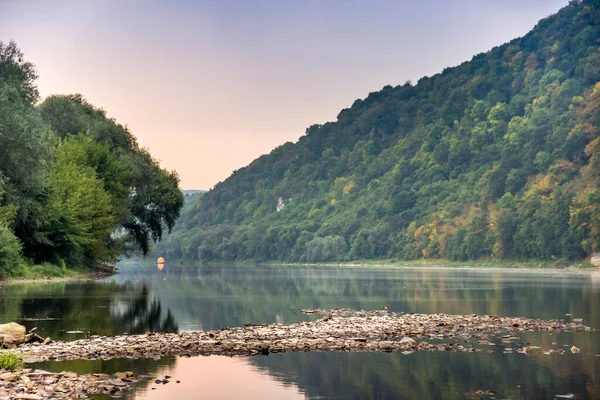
[(497, 157)]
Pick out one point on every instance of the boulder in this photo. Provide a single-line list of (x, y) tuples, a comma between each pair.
[(12, 333)]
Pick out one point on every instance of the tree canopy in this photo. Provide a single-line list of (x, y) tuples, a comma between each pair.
[(75, 187)]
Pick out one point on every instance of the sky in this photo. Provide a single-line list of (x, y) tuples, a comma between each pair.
[(208, 86)]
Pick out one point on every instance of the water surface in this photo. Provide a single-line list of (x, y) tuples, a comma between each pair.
[(143, 298)]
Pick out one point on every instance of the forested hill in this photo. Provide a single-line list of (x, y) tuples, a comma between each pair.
[(497, 157)]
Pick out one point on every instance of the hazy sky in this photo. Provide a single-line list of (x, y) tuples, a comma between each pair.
[(208, 86)]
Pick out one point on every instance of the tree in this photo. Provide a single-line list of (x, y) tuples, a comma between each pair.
[(79, 211), (23, 143)]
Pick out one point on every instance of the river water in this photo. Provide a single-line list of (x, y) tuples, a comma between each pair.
[(143, 298)]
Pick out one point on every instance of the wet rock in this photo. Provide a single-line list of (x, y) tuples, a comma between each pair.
[(407, 340), (575, 350), (33, 338)]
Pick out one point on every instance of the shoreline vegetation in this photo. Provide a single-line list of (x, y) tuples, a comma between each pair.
[(430, 263), (47, 272), (393, 263), (77, 191)]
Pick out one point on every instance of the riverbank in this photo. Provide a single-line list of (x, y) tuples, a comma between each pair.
[(48, 273), (337, 330), (432, 263)]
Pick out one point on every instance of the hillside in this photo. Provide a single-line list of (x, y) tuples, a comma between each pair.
[(497, 157)]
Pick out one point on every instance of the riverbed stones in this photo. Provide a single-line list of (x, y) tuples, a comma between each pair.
[(339, 330), (39, 384)]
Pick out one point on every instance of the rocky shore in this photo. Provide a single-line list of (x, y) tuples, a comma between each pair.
[(337, 330), (37, 384)]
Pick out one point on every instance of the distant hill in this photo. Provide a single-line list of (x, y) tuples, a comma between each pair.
[(192, 192), (497, 157)]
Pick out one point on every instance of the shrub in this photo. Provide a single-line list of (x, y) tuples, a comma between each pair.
[(10, 361), (10, 251)]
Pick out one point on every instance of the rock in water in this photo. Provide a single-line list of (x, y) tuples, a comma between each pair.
[(407, 340), (12, 333)]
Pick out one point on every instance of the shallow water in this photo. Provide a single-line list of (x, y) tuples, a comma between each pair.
[(142, 298)]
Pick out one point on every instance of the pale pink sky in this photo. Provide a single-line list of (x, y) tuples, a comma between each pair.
[(208, 86)]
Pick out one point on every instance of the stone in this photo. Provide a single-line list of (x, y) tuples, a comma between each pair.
[(407, 340), (12, 333), (575, 350), (9, 377)]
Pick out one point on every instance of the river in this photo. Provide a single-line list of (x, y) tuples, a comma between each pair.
[(143, 298)]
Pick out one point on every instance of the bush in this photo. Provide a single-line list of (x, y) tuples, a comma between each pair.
[(10, 251), (10, 361)]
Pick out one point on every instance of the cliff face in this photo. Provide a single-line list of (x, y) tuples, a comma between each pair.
[(495, 157)]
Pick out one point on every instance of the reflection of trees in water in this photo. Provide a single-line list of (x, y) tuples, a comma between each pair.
[(145, 315), (97, 308), (218, 297)]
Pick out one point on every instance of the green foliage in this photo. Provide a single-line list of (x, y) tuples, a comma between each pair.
[(10, 247), (146, 198), (10, 361), (75, 186), (23, 143), (497, 157), (78, 212), (10, 251)]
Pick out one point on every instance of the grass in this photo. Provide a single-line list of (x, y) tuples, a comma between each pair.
[(28, 270), (10, 361)]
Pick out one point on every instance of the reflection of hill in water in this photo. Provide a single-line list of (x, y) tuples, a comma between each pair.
[(213, 298), (426, 375), (146, 299), (219, 297)]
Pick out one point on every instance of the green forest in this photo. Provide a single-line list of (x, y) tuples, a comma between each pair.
[(496, 158), (76, 189)]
